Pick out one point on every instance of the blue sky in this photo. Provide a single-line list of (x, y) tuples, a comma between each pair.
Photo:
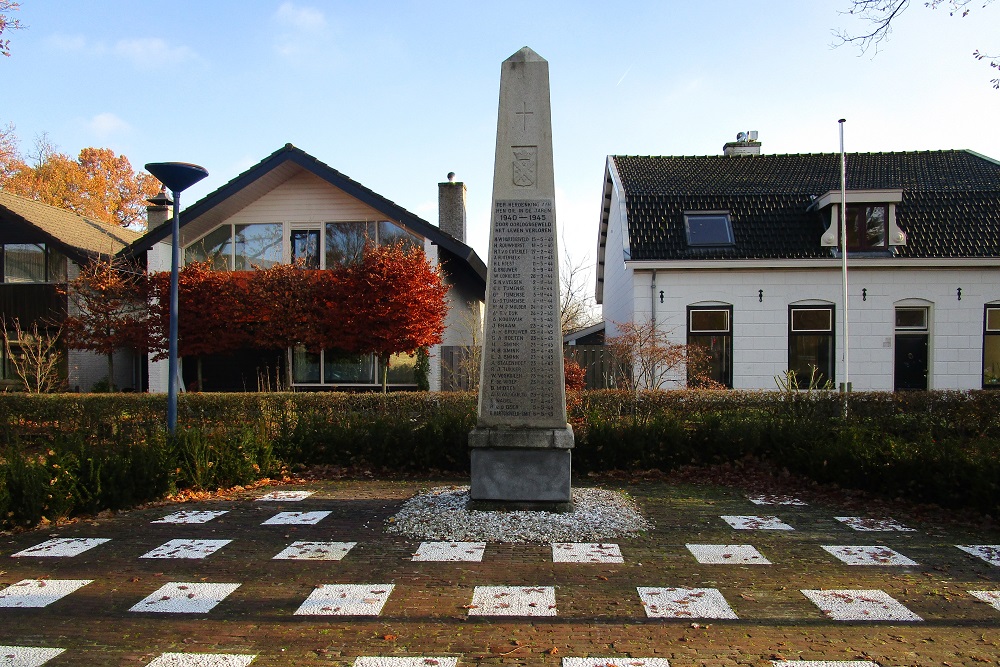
[(397, 94)]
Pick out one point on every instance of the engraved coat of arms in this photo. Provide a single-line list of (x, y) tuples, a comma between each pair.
[(525, 165)]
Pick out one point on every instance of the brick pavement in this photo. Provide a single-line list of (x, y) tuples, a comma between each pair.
[(698, 589)]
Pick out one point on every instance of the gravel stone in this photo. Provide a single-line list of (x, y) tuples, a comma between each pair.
[(441, 514)]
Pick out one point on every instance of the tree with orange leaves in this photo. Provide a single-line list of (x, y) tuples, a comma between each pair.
[(401, 305), (98, 184)]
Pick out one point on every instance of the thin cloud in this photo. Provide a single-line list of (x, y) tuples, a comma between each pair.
[(300, 32), (105, 125), (152, 52), (66, 42)]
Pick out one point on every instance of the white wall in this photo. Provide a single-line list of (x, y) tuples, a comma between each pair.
[(760, 328), (618, 304)]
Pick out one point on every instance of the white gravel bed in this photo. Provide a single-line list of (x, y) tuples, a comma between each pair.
[(441, 514)]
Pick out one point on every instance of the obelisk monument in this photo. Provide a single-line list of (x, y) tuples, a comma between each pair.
[(521, 446)]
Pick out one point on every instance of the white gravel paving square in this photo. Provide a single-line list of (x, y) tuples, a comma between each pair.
[(865, 524), (727, 554), (285, 496), (61, 547), (182, 597), (315, 551), (441, 552), (868, 555), (202, 660), (823, 663), (422, 661), (39, 592), (346, 600), (756, 523), (443, 514), (988, 552), (586, 552), (513, 601), (615, 662), (186, 549), (26, 656), (860, 605), (991, 598), (296, 519), (684, 603), (192, 516), (775, 499)]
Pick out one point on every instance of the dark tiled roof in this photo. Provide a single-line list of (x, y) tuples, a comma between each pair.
[(950, 206), (74, 232)]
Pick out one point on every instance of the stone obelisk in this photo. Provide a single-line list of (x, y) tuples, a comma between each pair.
[(521, 446)]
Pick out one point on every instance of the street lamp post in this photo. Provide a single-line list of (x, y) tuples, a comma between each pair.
[(177, 177)]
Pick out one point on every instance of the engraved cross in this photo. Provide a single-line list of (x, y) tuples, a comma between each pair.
[(524, 113)]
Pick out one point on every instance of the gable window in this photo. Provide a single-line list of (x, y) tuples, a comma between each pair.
[(710, 328), (33, 263), (304, 245), (257, 245), (712, 228), (345, 241), (810, 343), (216, 248), (991, 347), (867, 227)]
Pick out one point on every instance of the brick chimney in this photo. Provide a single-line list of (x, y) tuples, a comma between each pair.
[(746, 144), (451, 207), (159, 209)]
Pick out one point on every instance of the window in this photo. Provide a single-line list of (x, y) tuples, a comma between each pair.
[(214, 248), (257, 245), (708, 229), (810, 343), (991, 347), (390, 233), (345, 241), (304, 244), (33, 263), (710, 328), (333, 367), (867, 226), (911, 319)]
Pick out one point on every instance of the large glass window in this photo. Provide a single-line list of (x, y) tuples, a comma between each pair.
[(708, 229), (339, 368), (304, 245), (257, 245), (305, 366), (24, 263), (389, 233), (345, 241), (810, 343), (991, 347), (214, 248), (867, 226), (710, 329)]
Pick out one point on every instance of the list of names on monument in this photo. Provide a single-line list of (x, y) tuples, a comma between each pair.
[(523, 271)]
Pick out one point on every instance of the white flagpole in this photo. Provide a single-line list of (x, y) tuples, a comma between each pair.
[(843, 252)]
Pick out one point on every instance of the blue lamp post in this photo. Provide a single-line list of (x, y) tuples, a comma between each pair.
[(177, 177)]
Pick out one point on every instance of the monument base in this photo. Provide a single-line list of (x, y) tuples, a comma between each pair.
[(535, 475)]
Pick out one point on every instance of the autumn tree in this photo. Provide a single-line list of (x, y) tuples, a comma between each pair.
[(577, 308), (880, 15), (401, 305), (36, 357), (108, 310), (7, 23), (97, 184)]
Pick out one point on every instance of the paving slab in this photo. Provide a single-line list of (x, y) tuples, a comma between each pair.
[(739, 609)]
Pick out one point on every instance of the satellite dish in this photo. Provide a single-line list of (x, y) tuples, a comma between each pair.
[(741, 136)]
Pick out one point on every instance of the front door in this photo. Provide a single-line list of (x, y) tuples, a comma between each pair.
[(911, 362)]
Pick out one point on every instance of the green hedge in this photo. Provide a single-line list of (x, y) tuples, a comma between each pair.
[(68, 454)]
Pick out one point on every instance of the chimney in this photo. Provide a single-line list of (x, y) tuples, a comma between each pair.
[(451, 207), (159, 209), (746, 144)]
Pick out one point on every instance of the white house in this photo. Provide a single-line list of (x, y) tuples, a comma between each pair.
[(292, 207), (739, 253)]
